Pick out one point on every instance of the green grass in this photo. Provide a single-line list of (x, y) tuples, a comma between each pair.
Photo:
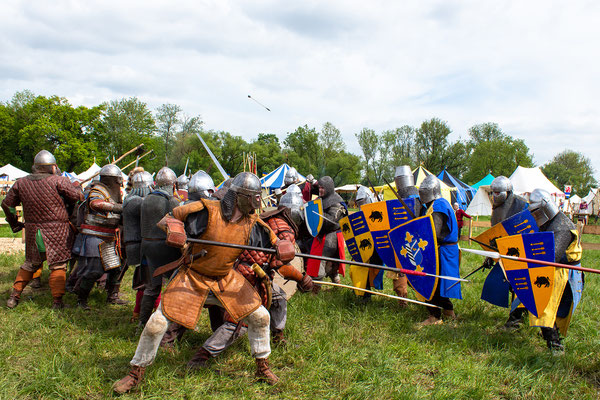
[(338, 349)]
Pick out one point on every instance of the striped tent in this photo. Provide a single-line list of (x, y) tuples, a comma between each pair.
[(274, 179), (463, 194)]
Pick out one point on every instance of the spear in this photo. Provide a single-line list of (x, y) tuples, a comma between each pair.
[(377, 293), (137, 160), (323, 258), (495, 255), (136, 148), (410, 212)]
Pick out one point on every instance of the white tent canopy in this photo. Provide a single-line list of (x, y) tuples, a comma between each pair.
[(11, 173), (526, 180), (481, 204), (274, 179), (87, 174), (351, 187)]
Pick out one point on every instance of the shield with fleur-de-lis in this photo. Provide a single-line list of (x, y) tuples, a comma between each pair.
[(415, 246)]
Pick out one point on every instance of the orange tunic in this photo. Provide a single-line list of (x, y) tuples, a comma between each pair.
[(185, 295)]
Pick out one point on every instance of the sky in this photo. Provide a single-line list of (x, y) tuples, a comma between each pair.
[(529, 66)]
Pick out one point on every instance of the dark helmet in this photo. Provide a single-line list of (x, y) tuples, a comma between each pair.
[(247, 187), (111, 173)]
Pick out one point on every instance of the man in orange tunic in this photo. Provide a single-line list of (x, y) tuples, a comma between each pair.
[(207, 276)]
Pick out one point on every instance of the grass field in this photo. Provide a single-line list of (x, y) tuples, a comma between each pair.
[(338, 349)]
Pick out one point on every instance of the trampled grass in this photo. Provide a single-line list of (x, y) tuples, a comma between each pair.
[(338, 349)]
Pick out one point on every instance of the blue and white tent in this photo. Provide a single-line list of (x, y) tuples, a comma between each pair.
[(71, 175), (274, 179), (463, 194)]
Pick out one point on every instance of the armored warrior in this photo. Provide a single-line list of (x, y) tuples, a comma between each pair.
[(99, 231), (505, 204), (154, 251), (405, 185), (568, 283), (446, 232), (201, 186), (206, 274), (273, 297), (45, 197), (141, 186), (329, 242), (182, 188)]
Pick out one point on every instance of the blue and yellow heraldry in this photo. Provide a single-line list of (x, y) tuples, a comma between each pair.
[(313, 214)]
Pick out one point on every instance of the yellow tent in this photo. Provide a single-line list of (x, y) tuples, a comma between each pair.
[(419, 174)]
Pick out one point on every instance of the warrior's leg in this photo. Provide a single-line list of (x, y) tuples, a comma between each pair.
[(260, 346), (552, 337), (113, 286), (278, 313), (24, 275), (89, 275), (400, 282), (145, 353), (58, 277), (222, 338), (151, 293)]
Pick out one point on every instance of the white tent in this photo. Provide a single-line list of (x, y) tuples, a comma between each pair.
[(526, 180), (351, 187), (11, 173), (481, 204), (87, 174)]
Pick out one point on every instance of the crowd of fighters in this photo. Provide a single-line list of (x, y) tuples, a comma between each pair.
[(98, 235)]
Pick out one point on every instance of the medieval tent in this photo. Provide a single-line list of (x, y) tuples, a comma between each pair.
[(89, 172), (463, 194), (419, 174), (487, 180), (11, 173), (481, 204), (274, 179), (526, 180)]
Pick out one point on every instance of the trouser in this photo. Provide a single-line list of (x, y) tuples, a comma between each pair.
[(58, 274), (258, 334), (151, 293), (229, 331), (91, 270), (438, 300)]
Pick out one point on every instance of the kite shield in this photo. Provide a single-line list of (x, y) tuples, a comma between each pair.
[(416, 247), (313, 211), (532, 283)]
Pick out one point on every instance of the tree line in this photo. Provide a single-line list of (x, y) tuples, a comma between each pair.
[(79, 135)]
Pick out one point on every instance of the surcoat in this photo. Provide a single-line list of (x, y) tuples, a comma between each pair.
[(186, 293)]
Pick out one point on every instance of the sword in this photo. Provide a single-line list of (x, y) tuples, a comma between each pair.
[(495, 255), (324, 217), (323, 258), (377, 293), (212, 156), (466, 276)]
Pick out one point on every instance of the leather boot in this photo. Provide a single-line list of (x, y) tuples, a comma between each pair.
[(14, 298), (264, 373), (57, 304), (278, 338), (200, 359), (133, 378), (401, 289), (113, 296), (36, 283), (82, 299)]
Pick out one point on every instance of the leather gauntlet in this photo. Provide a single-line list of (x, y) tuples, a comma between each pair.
[(175, 229)]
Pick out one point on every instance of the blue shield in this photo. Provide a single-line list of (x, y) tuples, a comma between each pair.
[(415, 245), (313, 211)]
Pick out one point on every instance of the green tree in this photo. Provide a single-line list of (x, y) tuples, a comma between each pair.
[(302, 150), (571, 168), (370, 146), (167, 120), (268, 152), (490, 150), (431, 144)]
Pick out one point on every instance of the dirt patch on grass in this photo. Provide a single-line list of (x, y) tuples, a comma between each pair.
[(11, 245)]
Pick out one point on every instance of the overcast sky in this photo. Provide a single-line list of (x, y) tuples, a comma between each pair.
[(530, 66)]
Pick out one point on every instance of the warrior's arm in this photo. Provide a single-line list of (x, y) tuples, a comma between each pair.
[(98, 203), (333, 213), (10, 201), (562, 240)]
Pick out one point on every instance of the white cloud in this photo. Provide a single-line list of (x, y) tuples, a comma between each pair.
[(529, 66)]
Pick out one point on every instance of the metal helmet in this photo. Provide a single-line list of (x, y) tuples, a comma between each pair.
[(364, 195), (247, 187), (310, 178), (44, 157), (294, 202), (404, 177), (501, 187), (182, 182), (111, 170), (142, 179), (430, 189), (293, 188), (165, 178), (542, 206), (291, 176), (200, 186)]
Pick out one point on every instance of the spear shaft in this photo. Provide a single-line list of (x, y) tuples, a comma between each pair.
[(323, 258), (376, 293)]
